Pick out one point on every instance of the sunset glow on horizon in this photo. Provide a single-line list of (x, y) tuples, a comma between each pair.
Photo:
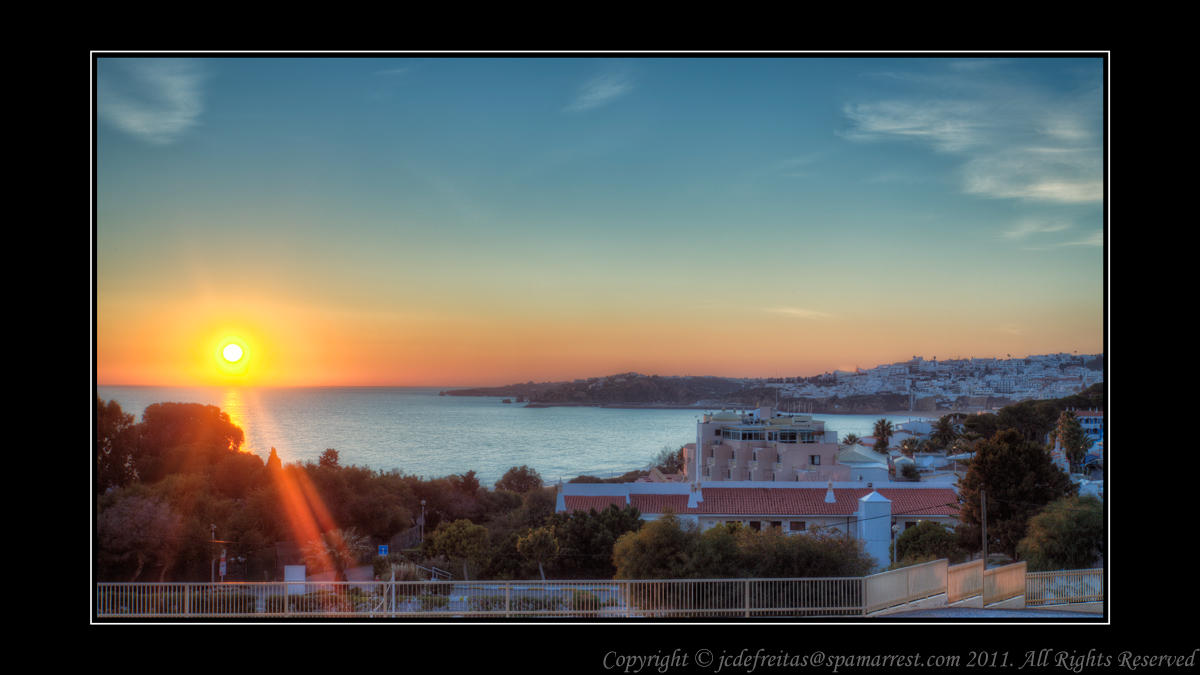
[(486, 221)]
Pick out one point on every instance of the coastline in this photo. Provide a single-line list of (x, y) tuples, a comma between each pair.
[(915, 414)]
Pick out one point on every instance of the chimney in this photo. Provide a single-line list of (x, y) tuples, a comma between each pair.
[(829, 494)]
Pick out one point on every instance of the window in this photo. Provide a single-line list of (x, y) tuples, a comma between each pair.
[(796, 526), (814, 460), (778, 524), (756, 525)]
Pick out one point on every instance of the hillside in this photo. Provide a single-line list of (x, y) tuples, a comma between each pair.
[(633, 390)]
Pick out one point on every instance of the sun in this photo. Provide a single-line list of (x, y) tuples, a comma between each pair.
[(231, 356), (232, 352)]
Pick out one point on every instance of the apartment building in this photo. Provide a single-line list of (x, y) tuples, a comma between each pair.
[(763, 445)]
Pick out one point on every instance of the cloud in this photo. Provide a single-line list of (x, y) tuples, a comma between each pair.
[(795, 166), (799, 312), (1028, 227), (1016, 141), (156, 100), (1093, 239), (601, 90), (949, 126), (1057, 175)]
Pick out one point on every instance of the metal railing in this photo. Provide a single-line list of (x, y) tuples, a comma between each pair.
[(805, 597), (383, 599), (1063, 587)]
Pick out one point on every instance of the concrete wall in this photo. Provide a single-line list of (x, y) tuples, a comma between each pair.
[(1012, 603), (933, 602)]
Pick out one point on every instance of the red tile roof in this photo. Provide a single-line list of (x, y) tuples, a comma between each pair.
[(780, 501), (599, 503), (660, 503)]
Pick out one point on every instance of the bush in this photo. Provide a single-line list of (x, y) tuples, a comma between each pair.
[(1068, 534), (487, 603), (925, 541), (433, 602)]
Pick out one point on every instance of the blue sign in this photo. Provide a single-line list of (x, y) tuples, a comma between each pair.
[(383, 549)]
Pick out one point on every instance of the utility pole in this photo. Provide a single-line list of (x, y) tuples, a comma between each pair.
[(983, 506)]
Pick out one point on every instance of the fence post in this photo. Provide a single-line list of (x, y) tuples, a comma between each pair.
[(507, 600), (747, 585)]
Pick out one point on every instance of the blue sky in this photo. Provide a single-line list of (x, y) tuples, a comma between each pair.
[(838, 195)]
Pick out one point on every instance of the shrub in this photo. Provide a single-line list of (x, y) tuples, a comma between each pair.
[(433, 602)]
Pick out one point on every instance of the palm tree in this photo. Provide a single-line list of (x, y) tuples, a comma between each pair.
[(338, 549), (944, 434), (883, 434), (850, 439)]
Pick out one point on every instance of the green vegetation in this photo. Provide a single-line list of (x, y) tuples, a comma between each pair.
[(1066, 535), (519, 479), (1019, 479), (884, 431), (1074, 441), (165, 487), (668, 548), (926, 541)]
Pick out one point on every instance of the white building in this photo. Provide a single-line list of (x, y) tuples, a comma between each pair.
[(866, 511)]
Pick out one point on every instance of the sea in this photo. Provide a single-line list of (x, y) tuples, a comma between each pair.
[(418, 432)]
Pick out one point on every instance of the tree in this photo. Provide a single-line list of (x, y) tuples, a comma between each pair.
[(466, 483), (329, 459), (927, 540), (587, 539), (669, 461), (183, 438), (519, 479), (460, 540), (1071, 437), (883, 433), (661, 549), (911, 446), (135, 529), (1067, 535), (115, 445), (944, 432), (772, 554), (1019, 478), (1032, 419), (539, 546), (850, 439), (338, 550)]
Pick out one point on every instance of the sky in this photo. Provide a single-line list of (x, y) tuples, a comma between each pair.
[(425, 220)]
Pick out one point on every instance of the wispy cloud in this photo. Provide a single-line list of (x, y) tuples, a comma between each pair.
[(799, 312), (1016, 141), (1029, 227), (1093, 239), (601, 90), (156, 100), (798, 166), (949, 126)]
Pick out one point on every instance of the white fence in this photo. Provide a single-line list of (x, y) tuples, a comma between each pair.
[(808, 597), (1064, 587)]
